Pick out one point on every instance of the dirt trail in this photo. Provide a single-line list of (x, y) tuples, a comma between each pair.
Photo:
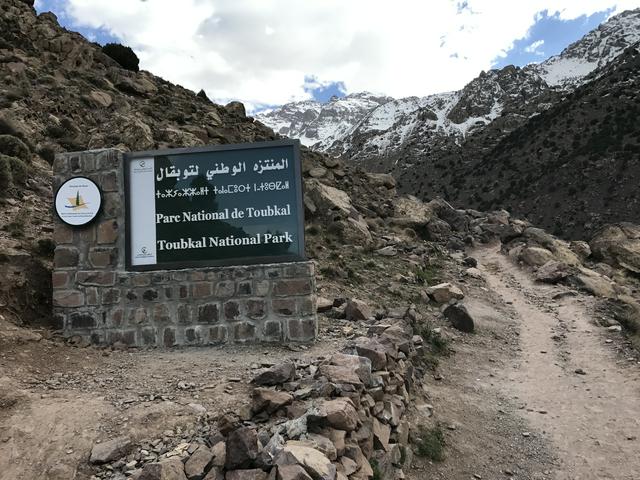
[(570, 384)]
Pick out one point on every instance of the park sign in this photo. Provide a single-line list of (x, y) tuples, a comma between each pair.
[(215, 205)]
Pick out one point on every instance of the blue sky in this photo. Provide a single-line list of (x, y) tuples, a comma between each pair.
[(269, 52), (549, 36)]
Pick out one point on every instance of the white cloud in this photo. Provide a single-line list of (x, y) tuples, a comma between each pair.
[(533, 47), (261, 51)]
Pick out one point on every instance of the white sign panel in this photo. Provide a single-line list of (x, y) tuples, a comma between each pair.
[(78, 201), (142, 213)]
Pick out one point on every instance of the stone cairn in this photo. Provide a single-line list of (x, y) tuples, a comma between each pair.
[(335, 418)]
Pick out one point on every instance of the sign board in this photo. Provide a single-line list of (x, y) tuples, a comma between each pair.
[(217, 205), (78, 201)]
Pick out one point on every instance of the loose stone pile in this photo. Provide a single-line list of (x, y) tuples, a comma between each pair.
[(338, 417)]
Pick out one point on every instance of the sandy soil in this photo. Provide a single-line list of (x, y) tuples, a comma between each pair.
[(510, 400), (572, 383)]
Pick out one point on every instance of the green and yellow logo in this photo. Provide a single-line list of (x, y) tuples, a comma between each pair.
[(77, 202)]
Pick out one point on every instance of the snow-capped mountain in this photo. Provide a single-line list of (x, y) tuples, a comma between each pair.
[(389, 134), (320, 124), (596, 49)]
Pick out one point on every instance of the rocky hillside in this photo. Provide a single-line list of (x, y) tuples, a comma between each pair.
[(58, 92), (570, 169)]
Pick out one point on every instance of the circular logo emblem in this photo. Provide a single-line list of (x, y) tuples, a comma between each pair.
[(144, 250), (142, 163), (78, 201)]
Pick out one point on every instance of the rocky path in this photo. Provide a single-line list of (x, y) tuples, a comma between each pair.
[(572, 387)]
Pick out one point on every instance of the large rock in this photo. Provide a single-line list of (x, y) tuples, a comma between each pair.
[(351, 369), (110, 450), (276, 375), (198, 463), (459, 317), (382, 180), (536, 256), (594, 283), (553, 272), (444, 292), (248, 474), (357, 310), (327, 198), (618, 245), (381, 433), (265, 399), (170, 469), (315, 463), (292, 472), (339, 413), (242, 449), (373, 350), (320, 443)]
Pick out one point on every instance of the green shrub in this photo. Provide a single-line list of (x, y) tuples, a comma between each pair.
[(48, 154), (45, 247), (14, 147), (125, 56), (430, 443), (19, 171), (5, 175)]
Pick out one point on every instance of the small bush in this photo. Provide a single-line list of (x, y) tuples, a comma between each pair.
[(14, 147), (19, 171), (45, 247), (48, 154), (377, 474), (5, 175), (125, 56), (431, 443)]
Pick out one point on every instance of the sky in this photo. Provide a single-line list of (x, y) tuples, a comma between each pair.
[(269, 52)]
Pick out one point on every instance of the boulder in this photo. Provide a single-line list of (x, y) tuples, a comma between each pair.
[(276, 375), (445, 292), (323, 304), (319, 442), (248, 474), (373, 350), (553, 272), (536, 256), (110, 450), (618, 245), (315, 463), (236, 108), (265, 399), (382, 180), (215, 473), (339, 413), (197, 464), (594, 283), (328, 198), (438, 230), (317, 172), (381, 433), (170, 469), (242, 449), (351, 369), (292, 472), (459, 317), (580, 248), (357, 310)]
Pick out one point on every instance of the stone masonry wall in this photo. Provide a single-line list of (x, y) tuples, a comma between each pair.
[(95, 297)]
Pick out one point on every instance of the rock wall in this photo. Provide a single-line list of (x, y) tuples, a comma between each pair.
[(95, 297)]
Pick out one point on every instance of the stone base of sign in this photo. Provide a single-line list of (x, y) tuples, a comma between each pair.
[(96, 298)]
